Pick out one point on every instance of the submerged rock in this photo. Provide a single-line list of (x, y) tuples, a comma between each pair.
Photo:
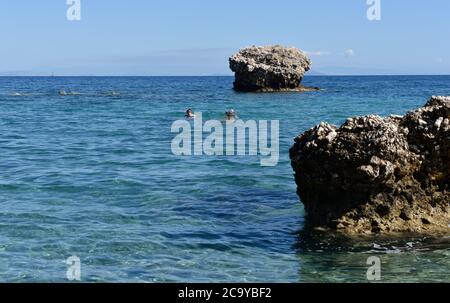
[(378, 174), (270, 68)]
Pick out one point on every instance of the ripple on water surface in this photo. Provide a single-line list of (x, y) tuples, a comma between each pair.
[(92, 175)]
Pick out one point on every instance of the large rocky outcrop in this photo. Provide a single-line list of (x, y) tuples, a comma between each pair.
[(378, 174), (269, 68)]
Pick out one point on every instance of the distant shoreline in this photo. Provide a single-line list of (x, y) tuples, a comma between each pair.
[(212, 76)]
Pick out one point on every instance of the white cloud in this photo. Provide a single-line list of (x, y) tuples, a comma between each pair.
[(349, 53), (317, 53)]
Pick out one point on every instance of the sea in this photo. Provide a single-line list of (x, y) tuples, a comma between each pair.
[(91, 176)]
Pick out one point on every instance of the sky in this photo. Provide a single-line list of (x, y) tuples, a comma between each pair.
[(196, 37)]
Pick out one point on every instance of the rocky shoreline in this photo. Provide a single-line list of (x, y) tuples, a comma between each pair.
[(378, 175), (299, 89)]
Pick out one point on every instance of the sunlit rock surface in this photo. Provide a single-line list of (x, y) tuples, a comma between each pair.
[(377, 174), (270, 68)]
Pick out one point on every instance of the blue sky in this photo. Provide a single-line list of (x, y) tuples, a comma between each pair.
[(196, 37)]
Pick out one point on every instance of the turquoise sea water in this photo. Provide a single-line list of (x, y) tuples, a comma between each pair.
[(93, 175)]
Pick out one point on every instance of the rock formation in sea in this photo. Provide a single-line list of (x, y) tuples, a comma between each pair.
[(270, 68), (375, 174)]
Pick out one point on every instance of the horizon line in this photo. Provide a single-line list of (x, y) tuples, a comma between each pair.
[(168, 76)]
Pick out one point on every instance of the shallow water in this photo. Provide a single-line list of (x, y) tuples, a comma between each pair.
[(93, 175)]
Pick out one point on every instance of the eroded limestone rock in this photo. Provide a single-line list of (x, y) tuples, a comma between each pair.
[(269, 68), (377, 174)]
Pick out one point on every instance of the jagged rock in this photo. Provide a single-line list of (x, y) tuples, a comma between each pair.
[(269, 68), (378, 174)]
